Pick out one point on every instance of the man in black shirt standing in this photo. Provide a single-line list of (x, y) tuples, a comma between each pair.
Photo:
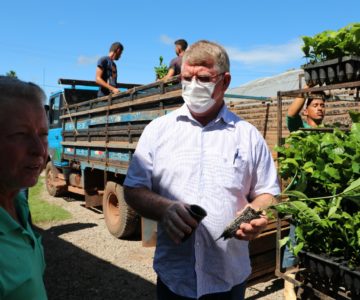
[(106, 71)]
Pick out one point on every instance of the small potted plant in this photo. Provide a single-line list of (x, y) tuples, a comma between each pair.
[(161, 70)]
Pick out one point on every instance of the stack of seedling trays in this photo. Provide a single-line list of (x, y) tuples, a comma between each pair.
[(338, 70), (329, 274), (333, 56)]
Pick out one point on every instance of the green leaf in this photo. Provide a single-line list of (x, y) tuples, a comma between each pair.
[(355, 129), (297, 248), (332, 172), (299, 233), (296, 194), (355, 185), (306, 211), (284, 241), (309, 167), (355, 167), (332, 211), (291, 161)]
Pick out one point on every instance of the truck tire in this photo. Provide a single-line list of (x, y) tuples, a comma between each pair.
[(50, 175), (121, 220)]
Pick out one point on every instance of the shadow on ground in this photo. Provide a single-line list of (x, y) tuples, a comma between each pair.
[(277, 284), (74, 274), (66, 228)]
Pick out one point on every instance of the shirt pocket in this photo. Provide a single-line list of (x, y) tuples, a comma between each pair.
[(232, 174)]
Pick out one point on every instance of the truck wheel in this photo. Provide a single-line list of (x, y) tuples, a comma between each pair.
[(121, 220), (50, 175)]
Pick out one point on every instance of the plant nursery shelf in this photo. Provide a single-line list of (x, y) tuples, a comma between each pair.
[(299, 92)]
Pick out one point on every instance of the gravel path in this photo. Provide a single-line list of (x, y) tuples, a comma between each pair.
[(85, 262)]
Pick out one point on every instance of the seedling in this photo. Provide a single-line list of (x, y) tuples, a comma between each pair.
[(246, 216), (161, 70)]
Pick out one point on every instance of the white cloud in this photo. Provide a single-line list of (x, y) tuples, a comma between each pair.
[(268, 54), (166, 39), (87, 60)]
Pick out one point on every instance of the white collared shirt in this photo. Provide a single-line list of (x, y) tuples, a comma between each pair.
[(221, 167)]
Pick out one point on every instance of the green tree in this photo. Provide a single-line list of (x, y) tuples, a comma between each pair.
[(12, 74)]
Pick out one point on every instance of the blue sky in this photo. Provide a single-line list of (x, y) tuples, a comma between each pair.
[(43, 41)]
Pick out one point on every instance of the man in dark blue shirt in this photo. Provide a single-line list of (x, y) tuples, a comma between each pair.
[(106, 71), (175, 64)]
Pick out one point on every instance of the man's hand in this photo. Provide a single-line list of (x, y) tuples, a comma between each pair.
[(114, 90), (177, 221), (174, 215), (249, 231)]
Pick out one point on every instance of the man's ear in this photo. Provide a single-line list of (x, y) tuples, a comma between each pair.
[(227, 80)]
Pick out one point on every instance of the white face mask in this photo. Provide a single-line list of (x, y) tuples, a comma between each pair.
[(198, 96)]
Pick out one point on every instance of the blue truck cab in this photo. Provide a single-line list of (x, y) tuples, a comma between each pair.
[(55, 130)]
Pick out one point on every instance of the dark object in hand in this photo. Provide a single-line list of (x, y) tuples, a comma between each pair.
[(198, 213), (245, 217)]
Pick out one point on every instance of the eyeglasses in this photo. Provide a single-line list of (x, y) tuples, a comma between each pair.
[(202, 79)]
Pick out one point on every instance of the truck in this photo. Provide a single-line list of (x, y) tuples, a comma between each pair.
[(92, 140)]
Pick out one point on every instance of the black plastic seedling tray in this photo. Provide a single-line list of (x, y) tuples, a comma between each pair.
[(330, 273), (338, 70)]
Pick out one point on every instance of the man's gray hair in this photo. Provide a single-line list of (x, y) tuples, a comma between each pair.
[(13, 89), (206, 53)]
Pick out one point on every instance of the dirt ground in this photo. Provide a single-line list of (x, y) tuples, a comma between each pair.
[(85, 262)]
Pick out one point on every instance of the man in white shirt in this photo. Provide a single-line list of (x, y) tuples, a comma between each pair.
[(201, 154)]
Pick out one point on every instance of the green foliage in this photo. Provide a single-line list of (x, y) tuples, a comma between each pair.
[(324, 191), (11, 73), (161, 70), (41, 210), (331, 44)]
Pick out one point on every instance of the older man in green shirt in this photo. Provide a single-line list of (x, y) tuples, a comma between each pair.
[(23, 154)]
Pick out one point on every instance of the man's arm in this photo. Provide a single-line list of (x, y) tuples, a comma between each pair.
[(103, 83), (173, 214), (296, 106), (262, 201), (170, 74), (147, 203)]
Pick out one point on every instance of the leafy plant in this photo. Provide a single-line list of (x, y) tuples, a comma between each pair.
[(161, 70), (323, 171), (331, 44), (12, 74)]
